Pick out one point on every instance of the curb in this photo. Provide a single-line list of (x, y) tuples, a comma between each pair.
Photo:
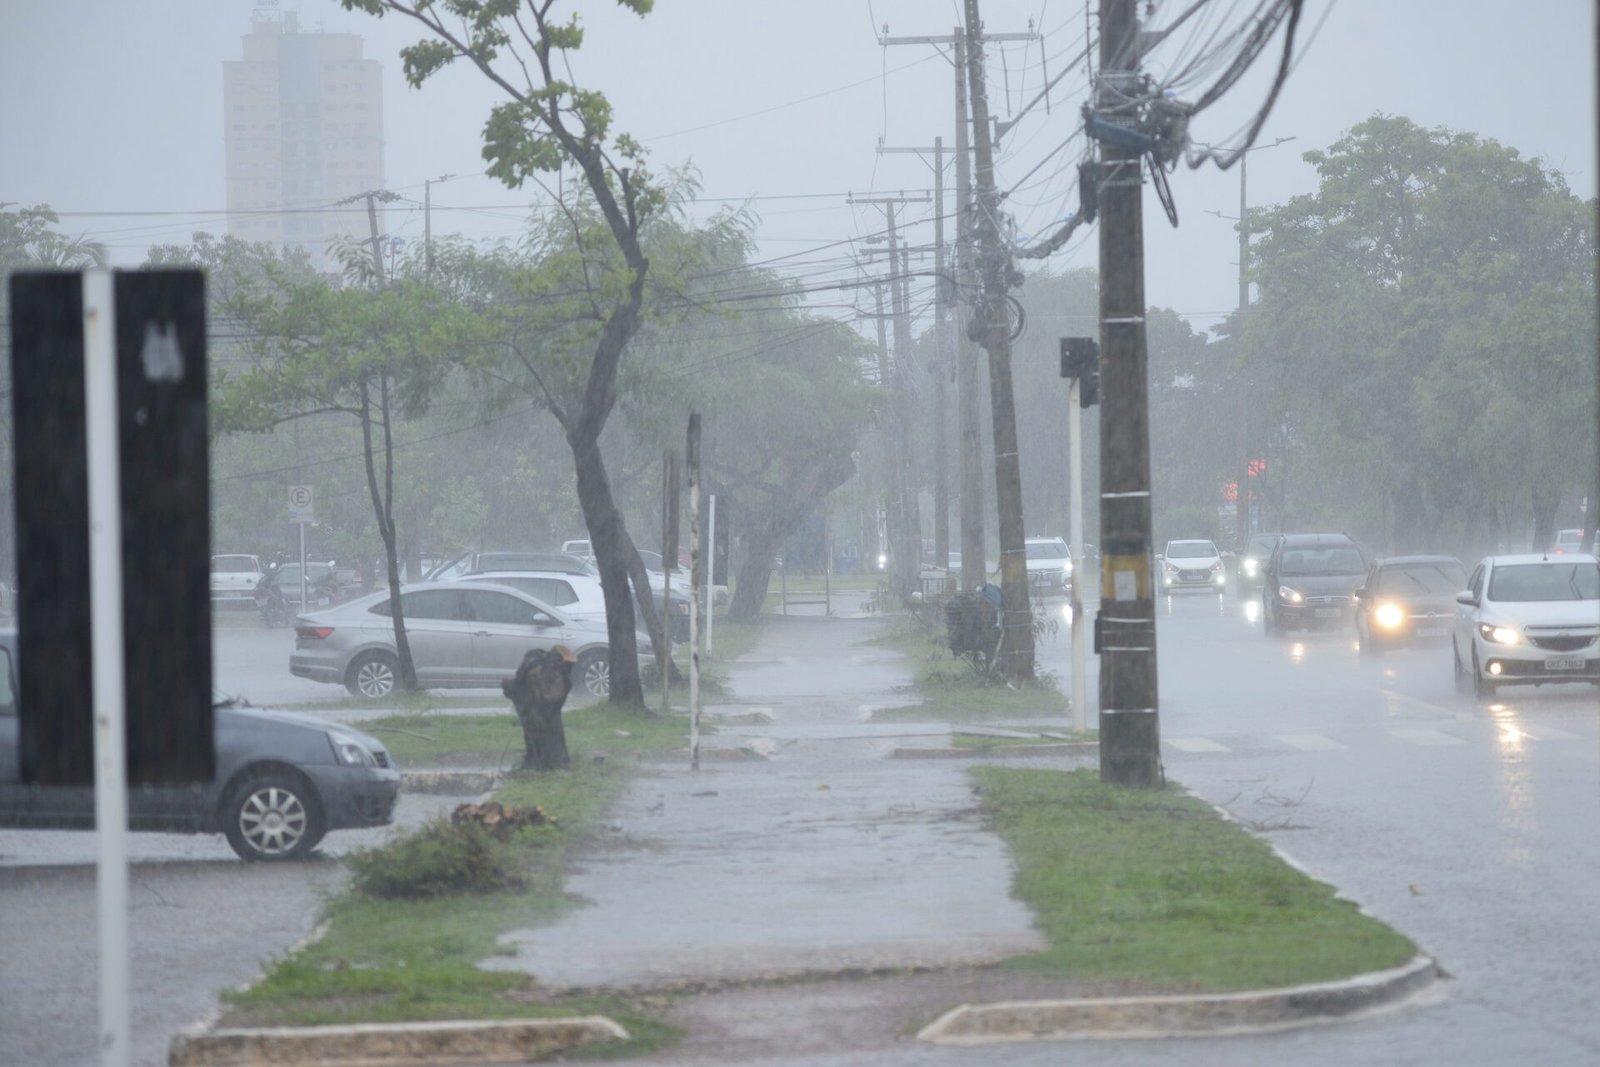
[(1218, 1014), (1065, 748), (374, 1045), (449, 783)]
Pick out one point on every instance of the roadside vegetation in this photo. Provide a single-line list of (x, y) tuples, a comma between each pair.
[(953, 689), (1154, 887), (404, 940)]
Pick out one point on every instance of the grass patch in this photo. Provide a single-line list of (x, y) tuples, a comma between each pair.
[(496, 740), (952, 691), (393, 960), (1154, 886)]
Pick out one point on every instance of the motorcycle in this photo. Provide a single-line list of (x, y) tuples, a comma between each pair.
[(270, 600)]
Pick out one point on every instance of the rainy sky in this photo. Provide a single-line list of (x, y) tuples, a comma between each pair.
[(117, 108)]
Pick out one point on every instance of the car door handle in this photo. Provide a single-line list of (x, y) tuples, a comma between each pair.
[(482, 633)]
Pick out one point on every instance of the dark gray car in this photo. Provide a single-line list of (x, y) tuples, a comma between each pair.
[(283, 780)]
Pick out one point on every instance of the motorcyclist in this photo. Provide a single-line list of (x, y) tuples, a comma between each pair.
[(270, 600)]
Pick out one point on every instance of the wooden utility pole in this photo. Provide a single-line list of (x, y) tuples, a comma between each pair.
[(1130, 734), (696, 561), (968, 409), (994, 317)]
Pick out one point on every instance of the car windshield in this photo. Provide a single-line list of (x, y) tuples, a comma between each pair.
[(1321, 562), (1422, 579), (1190, 550), (1047, 550), (1535, 582)]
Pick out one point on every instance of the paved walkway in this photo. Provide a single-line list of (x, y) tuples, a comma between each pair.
[(826, 857)]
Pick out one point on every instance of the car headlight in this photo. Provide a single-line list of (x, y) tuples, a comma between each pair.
[(352, 753), (1389, 616), (1499, 635), (1216, 568), (1066, 568), (1285, 593), (1251, 567)]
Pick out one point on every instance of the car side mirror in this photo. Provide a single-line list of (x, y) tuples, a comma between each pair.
[(1359, 593), (1466, 597)]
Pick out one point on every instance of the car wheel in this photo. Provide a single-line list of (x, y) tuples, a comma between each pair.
[(594, 672), (273, 815), (372, 675), (1481, 686)]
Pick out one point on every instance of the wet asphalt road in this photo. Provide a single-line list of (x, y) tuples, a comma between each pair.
[(1469, 826)]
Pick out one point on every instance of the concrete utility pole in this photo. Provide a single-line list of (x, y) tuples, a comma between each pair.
[(1130, 733), (905, 524), (427, 220), (944, 296), (994, 319)]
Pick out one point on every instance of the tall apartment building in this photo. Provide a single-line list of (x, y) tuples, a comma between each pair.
[(303, 129)]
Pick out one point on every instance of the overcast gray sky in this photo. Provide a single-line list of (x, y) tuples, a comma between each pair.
[(116, 107)]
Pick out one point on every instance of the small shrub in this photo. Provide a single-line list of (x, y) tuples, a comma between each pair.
[(439, 858)]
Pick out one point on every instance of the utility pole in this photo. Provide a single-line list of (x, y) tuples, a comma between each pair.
[(968, 411), (992, 323), (1130, 735), (1242, 497), (427, 220), (905, 534)]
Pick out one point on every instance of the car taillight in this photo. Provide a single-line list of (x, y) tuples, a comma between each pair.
[(313, 633)]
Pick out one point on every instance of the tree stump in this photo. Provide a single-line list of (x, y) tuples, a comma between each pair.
[(538, 690)]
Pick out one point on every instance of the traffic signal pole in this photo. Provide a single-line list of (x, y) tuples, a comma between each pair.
[(1130, 739)]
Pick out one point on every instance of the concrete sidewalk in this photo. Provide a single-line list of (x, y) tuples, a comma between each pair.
[(827, 857)]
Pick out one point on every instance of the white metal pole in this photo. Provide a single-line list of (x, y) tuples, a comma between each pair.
[(694, 610), (711, 566), (1080, 688), (303, 605), (109, 681)]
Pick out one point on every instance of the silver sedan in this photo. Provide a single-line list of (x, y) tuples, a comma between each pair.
[(461, 634)]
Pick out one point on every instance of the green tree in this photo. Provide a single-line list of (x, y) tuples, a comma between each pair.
[(1422, 349), (375, 357), (546, 125)]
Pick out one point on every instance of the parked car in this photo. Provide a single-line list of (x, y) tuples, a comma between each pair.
[(1192, 564), (579, 547), (483, 562), (1407, 600), (1567, 541), (581, 596), (1528, 619), (283, 780), (1310, 581), (234, 578), (1049, 563), (1253, 561), (462, 635), (327, 583)]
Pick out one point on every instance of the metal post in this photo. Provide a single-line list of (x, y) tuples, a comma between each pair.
[(303, 605), (711, 566), (106, 637), (692, 455), (1080, 688)]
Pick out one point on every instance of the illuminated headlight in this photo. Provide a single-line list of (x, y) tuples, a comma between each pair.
[(1251, 567), (1389, 616), (1216, 568), (1285, 593), (1499, 635), (883, 561), (1172, 568), (352, 753), (1066, 568)]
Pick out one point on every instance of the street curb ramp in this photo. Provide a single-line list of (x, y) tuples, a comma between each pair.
[(1216, 1014), (376, 1045)]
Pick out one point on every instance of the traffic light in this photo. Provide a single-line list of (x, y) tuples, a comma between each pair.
[(1080, 359)]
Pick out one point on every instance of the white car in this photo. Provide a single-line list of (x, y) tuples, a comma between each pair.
[(1528, 620), (1192, 564), (234, 578), (581, 596), (1049, 565)]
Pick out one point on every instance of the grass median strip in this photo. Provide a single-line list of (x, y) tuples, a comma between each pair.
[(951, 689), (1153, 887), (389, 960)]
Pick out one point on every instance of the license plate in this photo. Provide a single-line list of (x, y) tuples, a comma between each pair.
[(1326, 613), (1564, 663)]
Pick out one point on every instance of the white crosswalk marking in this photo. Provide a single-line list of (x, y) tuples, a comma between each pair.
[(1310, 742), (1425, 737), (1196, 744)]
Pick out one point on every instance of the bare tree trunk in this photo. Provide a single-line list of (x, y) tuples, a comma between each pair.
[(608, 535), (383, 511)]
